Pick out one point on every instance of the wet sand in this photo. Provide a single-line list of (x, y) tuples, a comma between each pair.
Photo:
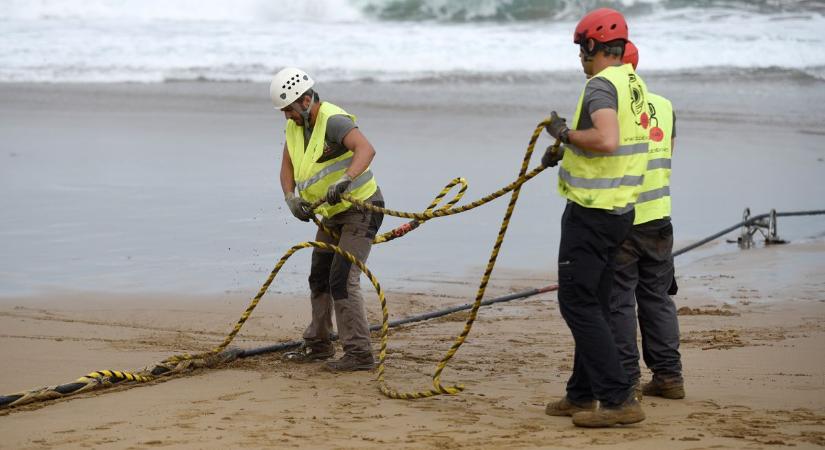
[(751, 347), (173, 187)]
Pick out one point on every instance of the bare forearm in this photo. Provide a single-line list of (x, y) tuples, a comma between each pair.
[(603, 137), (362, 152), (361, 160), (287, 182), (593, 139), (287, 177)]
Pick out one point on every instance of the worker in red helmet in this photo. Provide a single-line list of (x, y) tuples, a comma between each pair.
[(631, 54), (644, 276), (602, 165)]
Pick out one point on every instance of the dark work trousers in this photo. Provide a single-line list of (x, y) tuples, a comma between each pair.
[(334, 282), (644, 272), (590, 239)]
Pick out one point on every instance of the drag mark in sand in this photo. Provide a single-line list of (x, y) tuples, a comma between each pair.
[(49, 316), (62, 338), (800, 426), (688, 311), (723, 339)]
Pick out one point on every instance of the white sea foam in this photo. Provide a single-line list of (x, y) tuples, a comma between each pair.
[(155, 40), (183, 10)]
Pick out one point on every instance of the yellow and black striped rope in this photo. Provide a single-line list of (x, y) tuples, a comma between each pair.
[(408, 226), (115, 375), (428, 214), (515, 187), (325, 246), (447, 210)]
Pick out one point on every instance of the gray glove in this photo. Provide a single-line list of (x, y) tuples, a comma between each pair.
[(298, 207), (552, 156), (558, 127), (336, 189)]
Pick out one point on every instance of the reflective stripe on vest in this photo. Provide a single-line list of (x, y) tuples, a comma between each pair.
[(659, 163), (611, 181), (623, 150), (654, 201), (654, 194), (335, 167), (313, 178), (599, 183)]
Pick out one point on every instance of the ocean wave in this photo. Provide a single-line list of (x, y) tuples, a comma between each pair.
[(812, 74), (258, 74), (183, 10), (337, 11), (537, 10), (684, 40)]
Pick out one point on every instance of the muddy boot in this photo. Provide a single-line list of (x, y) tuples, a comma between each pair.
[(628, 412), (565, 407), (637, 390), (665, 386), (351, 363), (310, 352)]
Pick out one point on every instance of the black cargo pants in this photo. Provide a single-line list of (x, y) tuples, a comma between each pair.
[(644, 273), (590, 239)]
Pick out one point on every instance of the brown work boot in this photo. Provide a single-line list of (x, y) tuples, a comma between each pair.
[(665, 386), (565, 407), (628, 412), (351, 363), (310, 353)]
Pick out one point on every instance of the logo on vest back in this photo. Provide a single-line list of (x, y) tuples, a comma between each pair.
[(637, 101)]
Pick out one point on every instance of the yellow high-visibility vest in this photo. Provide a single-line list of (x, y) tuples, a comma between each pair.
[(611, 181), (654, 200), (313, 178)]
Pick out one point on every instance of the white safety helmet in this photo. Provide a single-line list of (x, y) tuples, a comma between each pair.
[(287, 85)]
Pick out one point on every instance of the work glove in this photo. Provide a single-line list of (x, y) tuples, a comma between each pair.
[(552, 156), (336, 189), (298, 207), (558, 127)]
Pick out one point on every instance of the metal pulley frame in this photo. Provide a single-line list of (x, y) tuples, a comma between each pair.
[(765, 225)]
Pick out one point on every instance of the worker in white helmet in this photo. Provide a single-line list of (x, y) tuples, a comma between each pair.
[(325, 156)]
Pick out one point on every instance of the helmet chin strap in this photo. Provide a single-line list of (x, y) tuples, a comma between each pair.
[(305, 112)]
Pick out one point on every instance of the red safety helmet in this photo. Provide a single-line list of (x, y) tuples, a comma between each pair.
[(601, 25), (631, 54)]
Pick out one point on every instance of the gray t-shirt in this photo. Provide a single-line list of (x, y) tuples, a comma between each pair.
[(337, 127), (598, 94)]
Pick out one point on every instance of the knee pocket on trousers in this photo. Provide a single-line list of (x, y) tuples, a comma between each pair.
[(339, 278), (375, 220), (319, 272)]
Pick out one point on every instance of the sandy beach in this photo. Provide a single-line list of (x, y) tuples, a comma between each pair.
[(751, 346), (140, 219)]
